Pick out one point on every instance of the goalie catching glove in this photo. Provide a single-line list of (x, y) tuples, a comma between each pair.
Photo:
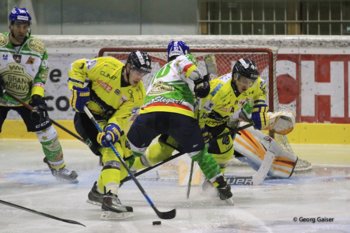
[(110, 134), (281, 122), (80, 96)]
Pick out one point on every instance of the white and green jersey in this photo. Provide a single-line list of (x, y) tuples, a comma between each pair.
[(24, 69), (171, 89)]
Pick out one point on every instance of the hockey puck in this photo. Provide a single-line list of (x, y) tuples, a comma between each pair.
[(156, 223)]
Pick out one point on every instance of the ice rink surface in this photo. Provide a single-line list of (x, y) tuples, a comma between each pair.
[(317, 201)]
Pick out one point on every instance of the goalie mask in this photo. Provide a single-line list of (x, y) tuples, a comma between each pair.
[(177, 48)]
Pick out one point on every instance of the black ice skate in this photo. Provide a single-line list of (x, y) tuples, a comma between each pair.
[(95, 197), (63, 174), (224, 189), (112, 208)]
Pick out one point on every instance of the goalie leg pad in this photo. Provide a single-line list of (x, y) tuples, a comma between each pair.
[(253, 145)]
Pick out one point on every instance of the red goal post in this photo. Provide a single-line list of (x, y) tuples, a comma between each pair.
[(265, 58)]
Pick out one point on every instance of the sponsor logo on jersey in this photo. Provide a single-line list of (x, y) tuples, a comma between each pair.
[(17, 81), (90, 64), (5, 57), (30, 60), (104, 85), (160, 88), (17, 58)]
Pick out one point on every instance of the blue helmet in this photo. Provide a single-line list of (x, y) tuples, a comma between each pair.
[(19, 14), (177, 48)]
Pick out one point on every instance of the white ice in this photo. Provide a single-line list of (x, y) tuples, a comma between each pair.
[(323, 194)]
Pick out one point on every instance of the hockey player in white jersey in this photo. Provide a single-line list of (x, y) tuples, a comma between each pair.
[(23, 74)]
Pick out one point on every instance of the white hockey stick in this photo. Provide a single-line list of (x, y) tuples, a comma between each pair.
[(210, 65), (258, 177), (264, 168)]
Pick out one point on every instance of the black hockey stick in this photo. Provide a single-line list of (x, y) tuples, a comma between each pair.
[(28, 106), (41, 213), (163, 215)]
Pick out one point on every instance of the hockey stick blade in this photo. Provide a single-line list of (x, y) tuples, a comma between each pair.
[(166, 215), (41, 213)]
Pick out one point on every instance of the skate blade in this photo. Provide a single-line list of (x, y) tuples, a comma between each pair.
[(229, 201), (109, 215), (67, 181), (94, 202)]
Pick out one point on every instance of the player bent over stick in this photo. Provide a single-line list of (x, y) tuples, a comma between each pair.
[(113, 95), (23, 74), (169, 110)]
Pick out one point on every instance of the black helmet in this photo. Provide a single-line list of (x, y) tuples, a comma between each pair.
[(247, 68), (140, 61)]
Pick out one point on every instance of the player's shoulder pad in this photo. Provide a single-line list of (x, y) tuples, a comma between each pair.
[(36, 45), (4, 39)]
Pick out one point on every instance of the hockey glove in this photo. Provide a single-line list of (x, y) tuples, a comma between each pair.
[(39, 112), (202, 87), (244, 114), (80, 96), (2, 88), (110, 134), (260, 117)]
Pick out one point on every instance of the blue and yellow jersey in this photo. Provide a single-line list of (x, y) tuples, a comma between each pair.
[(222, 101), (111, 97)]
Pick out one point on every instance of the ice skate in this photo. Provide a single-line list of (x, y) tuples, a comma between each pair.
[(63, 174), (95, 197), (224, 189), (112, 208)]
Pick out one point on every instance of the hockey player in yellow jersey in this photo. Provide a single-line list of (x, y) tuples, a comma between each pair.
[(241, 96), (114, 93)]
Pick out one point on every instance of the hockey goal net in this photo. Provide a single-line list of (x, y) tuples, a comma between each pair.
[(221, 61)]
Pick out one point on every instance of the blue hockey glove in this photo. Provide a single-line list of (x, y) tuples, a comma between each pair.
[(80, 96), (110, 134)]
